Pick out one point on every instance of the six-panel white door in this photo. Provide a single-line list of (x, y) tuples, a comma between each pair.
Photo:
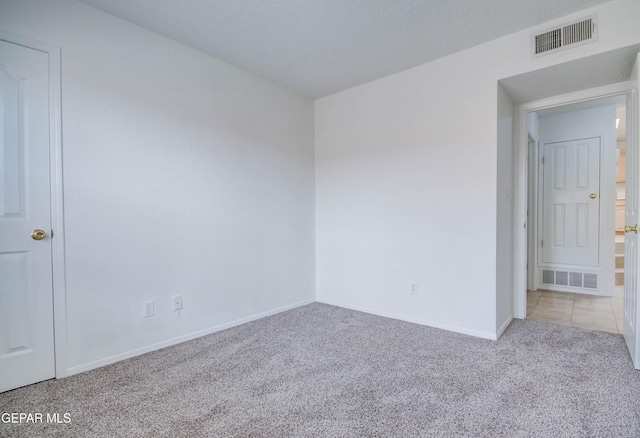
[(632, 214), (26, 295), (571, 202)]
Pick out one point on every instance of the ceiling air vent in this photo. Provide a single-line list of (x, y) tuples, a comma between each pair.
[(572, 34)]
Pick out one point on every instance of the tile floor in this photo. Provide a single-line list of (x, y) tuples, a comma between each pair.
[(577, 310)]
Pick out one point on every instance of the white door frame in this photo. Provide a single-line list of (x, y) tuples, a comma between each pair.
[(521, 180), (57, 210)]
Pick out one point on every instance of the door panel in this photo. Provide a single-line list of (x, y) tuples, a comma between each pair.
[(570, 224), (631, 247), (26, 300)]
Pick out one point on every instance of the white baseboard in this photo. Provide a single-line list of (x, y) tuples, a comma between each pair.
[(503, 327), (173, 341), (464, 331), (583, 291)]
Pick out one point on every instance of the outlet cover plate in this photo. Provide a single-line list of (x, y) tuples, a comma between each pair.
[(147, 309), (177, 302)]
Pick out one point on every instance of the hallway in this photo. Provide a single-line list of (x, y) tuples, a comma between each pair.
[(578, 310)]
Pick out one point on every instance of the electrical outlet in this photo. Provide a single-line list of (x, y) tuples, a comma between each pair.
[(177, 302), (414, 289), (147, 309)]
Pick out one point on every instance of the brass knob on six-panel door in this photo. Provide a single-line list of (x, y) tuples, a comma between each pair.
[(593, 196), (629, 229), (38, 234)]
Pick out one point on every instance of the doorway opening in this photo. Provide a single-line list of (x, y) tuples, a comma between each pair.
[(531, 92), (575, 262)]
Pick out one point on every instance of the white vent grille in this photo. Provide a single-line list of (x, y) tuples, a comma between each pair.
[(562, 278), (591, 281), (575, 279), (577, 33), (548, 41), (572, 279), (548, 277)]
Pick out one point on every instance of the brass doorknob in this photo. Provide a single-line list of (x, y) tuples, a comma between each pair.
[(629, 229), (38, 234), (593, 196)]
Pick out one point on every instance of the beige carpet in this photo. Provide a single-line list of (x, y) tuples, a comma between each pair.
[(324, 371)]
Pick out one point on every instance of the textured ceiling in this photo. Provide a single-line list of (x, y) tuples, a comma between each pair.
[(319, 47), (590, 72)]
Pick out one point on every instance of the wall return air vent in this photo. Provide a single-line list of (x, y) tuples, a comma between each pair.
[(570, 35), (573, 279)]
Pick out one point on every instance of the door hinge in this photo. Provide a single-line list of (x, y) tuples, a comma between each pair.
[(542, 242), (542, 160), (52, 234)]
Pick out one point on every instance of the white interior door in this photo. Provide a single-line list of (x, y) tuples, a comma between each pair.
[(631, 247), (26, 292), (571, 202)]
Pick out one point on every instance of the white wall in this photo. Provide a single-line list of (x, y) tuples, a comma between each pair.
[(182, 175), (386, 151), (504, 212)]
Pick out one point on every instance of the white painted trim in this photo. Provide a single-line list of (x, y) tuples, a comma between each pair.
[(503, 327), (168, 343), (611, 90), (520, 286), (57, 194), (519, 225), (451, 328), (532, 205), (569, 289)]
